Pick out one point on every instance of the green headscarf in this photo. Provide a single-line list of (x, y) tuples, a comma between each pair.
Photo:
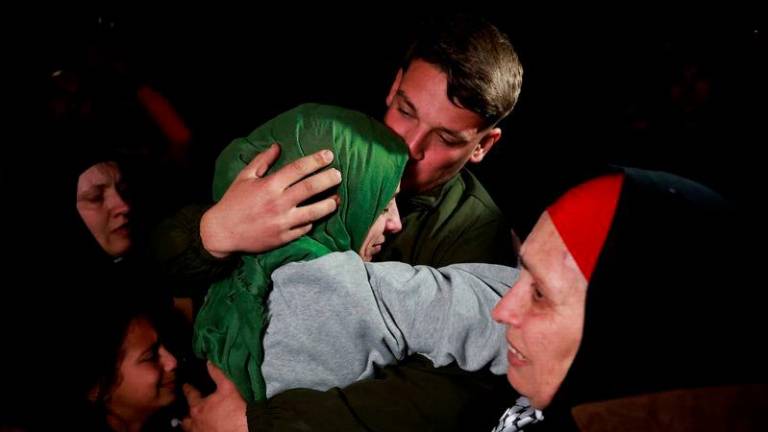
[(230, 325)]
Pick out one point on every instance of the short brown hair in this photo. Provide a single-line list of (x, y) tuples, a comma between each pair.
[(483, 69)]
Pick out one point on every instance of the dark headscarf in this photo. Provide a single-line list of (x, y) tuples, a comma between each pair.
[(73, 149), (670, 303), (60, 283)]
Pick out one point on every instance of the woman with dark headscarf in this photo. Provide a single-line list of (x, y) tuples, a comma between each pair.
[(85, 187), (89, 356), (103, 207), (631, 283)]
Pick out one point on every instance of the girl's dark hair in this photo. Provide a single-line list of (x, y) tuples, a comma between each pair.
[(116, 299)]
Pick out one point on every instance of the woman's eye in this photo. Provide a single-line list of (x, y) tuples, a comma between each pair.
[(94, 199), (150, 356)]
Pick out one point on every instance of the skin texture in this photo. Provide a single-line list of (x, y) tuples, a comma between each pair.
[(544, 315), (273, 200), (103, 208), (441, 136)]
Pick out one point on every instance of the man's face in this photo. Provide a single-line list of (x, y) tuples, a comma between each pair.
[(103, 208), (544, 314), (441, 136)]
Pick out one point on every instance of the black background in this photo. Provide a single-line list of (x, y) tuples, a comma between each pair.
[(681, 93)]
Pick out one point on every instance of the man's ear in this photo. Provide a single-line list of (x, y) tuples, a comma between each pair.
[(485, 145), (395, 86)]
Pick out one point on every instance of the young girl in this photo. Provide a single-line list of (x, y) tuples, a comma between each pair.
[(129, 375)]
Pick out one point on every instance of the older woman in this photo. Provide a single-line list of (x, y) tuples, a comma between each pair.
[(631, 283)]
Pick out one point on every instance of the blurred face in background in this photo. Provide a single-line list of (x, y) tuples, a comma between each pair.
[(146, 379), (103, 208)]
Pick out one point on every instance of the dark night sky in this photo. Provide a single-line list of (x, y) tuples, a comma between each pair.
[(681, 95)]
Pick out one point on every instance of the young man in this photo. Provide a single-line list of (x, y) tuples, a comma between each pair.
[(458, 80)]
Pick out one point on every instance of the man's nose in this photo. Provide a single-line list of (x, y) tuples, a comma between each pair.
[(416, 139)]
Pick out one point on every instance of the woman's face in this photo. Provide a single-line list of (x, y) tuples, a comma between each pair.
[(388, 222), (102, 207), (146, 379), (544, 314)]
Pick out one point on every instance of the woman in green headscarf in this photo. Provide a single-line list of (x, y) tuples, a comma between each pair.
[(371, 159)]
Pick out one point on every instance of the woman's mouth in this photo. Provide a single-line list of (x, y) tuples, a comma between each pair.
[(515, 357)]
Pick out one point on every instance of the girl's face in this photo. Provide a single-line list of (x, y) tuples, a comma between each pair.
[(146, 375)]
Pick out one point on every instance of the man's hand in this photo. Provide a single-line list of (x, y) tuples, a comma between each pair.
[(257, 214), (222, 411)]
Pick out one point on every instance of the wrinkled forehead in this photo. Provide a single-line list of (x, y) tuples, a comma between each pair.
[(543, 239), (100, 173), (546, 257)]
